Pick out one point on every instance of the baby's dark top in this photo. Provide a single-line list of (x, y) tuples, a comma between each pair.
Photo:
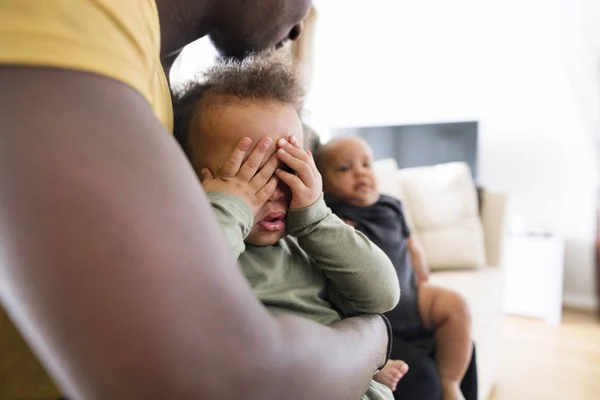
[(384, 224)]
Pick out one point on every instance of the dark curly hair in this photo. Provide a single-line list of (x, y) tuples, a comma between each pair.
[(257, 77)]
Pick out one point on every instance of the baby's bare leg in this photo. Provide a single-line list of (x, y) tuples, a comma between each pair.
[(446, 313)]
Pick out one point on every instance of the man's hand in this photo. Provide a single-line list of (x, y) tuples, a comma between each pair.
[(306, 184), (246, 180)]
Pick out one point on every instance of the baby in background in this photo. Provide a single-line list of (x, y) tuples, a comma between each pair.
[(241, 130), (351, 192)]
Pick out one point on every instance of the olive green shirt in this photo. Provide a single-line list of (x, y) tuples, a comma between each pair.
[(323, 270)]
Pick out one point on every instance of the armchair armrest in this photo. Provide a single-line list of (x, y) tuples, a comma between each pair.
[(493, 216)]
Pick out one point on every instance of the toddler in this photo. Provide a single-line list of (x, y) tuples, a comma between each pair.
[(241, 130)]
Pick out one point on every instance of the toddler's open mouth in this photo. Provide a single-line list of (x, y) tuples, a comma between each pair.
[(273, 222)]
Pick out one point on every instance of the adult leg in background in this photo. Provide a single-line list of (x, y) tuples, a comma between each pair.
[(468, 386), (422, 381)]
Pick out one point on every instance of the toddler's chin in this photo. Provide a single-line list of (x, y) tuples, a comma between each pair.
[(366, 199), (261, 238)]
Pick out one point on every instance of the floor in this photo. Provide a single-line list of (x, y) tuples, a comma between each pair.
[(544, 362)]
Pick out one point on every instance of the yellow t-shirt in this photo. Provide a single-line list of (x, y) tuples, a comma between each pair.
[(119, 39)]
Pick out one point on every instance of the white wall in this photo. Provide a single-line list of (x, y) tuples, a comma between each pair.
[(195, 58), (389, 61), (528, 70), (542, 122)]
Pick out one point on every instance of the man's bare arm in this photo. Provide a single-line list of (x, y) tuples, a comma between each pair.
[(113, 266)]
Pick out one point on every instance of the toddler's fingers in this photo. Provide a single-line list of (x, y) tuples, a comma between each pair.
[(293, 181), (304, 171), (267, 190), (265, 173), (293, 150), (253, 162), (233, 164), (290, 139), (294, 141), (311, 160)]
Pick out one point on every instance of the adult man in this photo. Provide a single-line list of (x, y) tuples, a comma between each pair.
[(110, 265)]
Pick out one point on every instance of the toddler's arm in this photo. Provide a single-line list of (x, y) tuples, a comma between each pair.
[(235, 218), (363, 279)]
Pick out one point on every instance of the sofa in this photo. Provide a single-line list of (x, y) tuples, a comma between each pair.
[(463, 242)]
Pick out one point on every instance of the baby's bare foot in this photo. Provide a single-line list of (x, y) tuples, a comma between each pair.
[(451, 390), (391, 373)]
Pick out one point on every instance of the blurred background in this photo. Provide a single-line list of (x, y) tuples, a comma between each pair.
[(509, 90)]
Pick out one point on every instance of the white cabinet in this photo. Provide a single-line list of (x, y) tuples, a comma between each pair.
[(534, 267)]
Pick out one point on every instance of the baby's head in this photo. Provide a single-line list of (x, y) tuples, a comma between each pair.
[(346, 167), (254, 98)]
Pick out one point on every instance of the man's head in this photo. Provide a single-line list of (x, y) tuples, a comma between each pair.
[(346, 167), (240, 27), (254, 98)]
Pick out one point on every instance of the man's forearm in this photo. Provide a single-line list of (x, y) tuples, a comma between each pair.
[(299, 359), (335, 362)]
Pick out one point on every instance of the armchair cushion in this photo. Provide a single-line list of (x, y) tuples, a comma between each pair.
[(442, 207)]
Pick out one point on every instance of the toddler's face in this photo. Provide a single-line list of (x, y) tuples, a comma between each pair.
[(348, 174), (222, 127)]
